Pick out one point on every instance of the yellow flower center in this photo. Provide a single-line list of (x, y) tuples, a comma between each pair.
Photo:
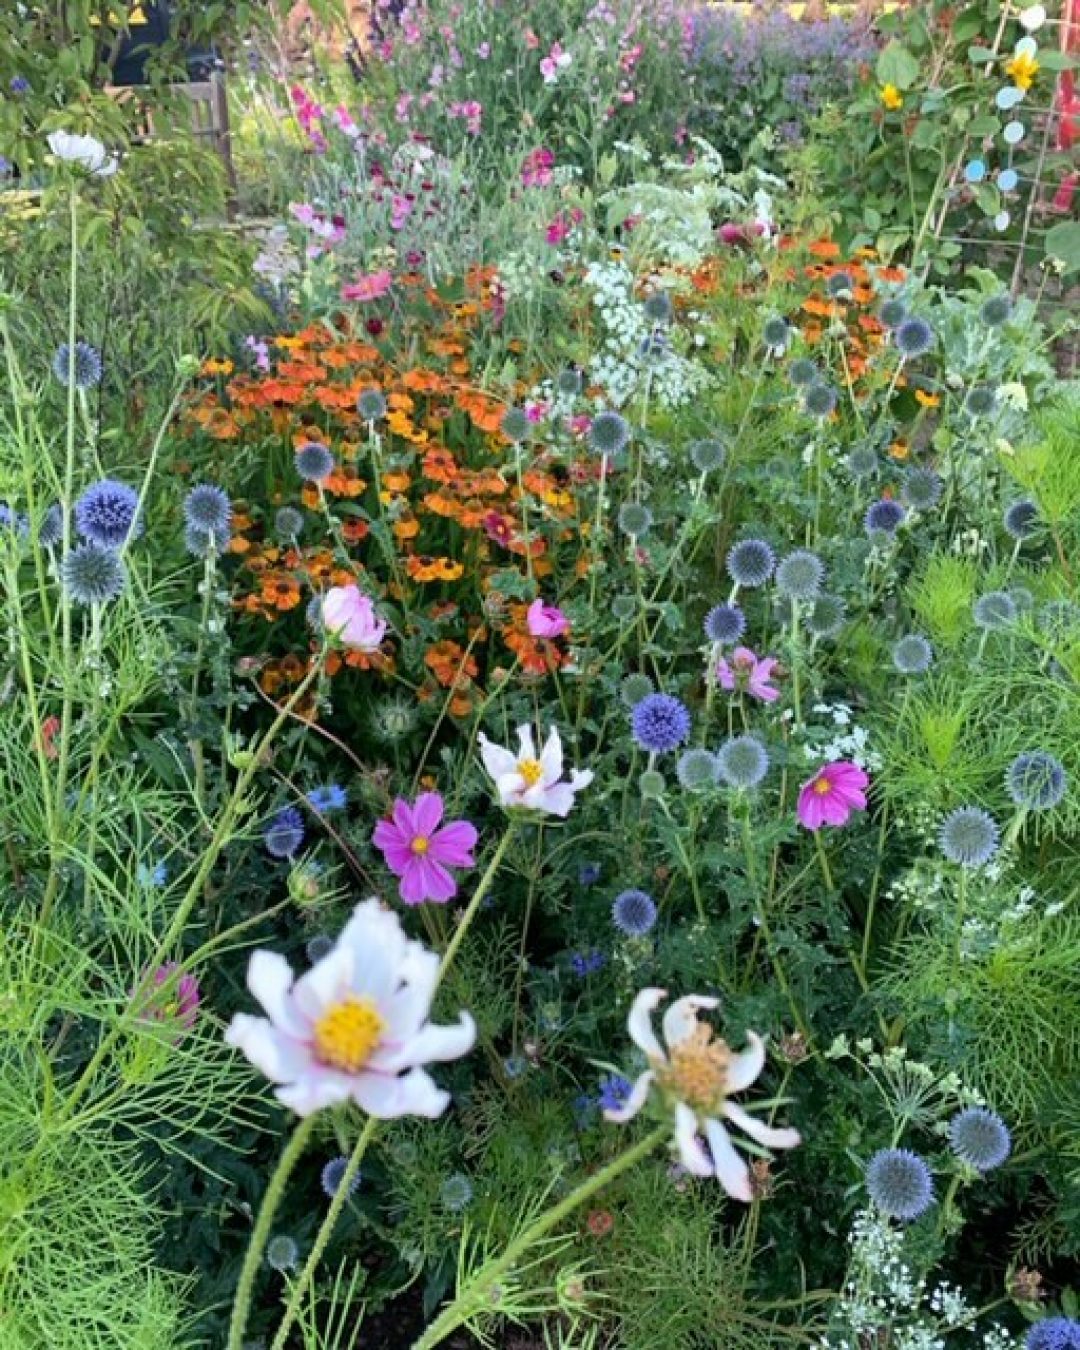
[(531, 770), (1022, 70), (822, 787), (347, 1034), (420, 844), (696, 1071)]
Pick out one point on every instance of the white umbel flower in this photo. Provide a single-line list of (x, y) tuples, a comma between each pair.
[(85, 151), (526, 781), (355, 1025), (697, 1073)]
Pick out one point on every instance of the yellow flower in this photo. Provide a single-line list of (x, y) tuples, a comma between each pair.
[(891, 97), (1022, 70)]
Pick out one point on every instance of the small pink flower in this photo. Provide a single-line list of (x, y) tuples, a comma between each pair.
[(834, 792), (546, 621), (555, 61), (531, 40), (370, 287), (418, 852), (536, 168), (180, 1004), (747, 672), (349, 615)]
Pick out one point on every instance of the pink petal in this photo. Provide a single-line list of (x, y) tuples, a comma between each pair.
[(453, 844), (412, 888), (427, 812), (440, 885), (811, 810), (834, 810), (403, 819)]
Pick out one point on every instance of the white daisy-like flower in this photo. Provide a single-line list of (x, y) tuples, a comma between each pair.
[(530, 782), (85, 151), (697, 1073), (355, 1025)]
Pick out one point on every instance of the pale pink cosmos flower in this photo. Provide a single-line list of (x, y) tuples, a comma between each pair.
[(747, 672), (546, 621), (418, 852), (834, 792), (531, 783), (349, 615), (371, 287), (355, 1026)]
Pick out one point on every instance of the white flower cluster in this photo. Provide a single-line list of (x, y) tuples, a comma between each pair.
[(520, 276), (851, 744)]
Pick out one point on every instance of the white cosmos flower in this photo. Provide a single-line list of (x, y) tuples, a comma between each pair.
[(697, 1074), (85, 151), (355, 1025), (524, 780)]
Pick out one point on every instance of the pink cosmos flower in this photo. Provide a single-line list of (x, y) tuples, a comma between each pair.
[(371, 287), (748, 672), (546, 621), (349, 615), (180, 1004), (834, 792), (418, 852)]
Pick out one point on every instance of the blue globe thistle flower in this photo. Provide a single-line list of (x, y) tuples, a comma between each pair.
[(635, 519), (658, 307), (654, 348), (1054, 1333), (1036, 780), (333, 1174), (1023, 599), (589, 873), (914, 338), (105, 513), (893, 313), (201, 545), (568, 382), (456, 1193), (826, 616), (750, 563), (208, 510), (88, 366), (820, 400), (659, 723), (92, 574), (707, 455), (980, 1138), (913, 655), (883, 517), (742, 762), (802, 373), (900, 1183), (651, 784), (799, 575), (980, 400), (624, 607), (515, 424), (840, 284), (862, 462), (12, 521), (371, 405), (289, 523), (969, 837), (314, 462), (51, 531), (995, 610), (1021, 519), (633, 913), (282, 1253), (329, 798), (922, 489), (697, 769), (317, 947), (995, 311), (609, 433), (515, 1066), (725, 623), (614, 1092), (634, 688), (776, 334), (1059, 617), (283, 834)]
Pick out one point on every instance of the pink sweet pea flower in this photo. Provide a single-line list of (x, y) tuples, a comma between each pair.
[(546, 621), (371, 287), (418, 852), (834, 792), (349, 615), (747, 672)]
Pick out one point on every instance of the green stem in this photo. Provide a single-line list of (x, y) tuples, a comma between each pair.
[(290, 1156), (474, 904)]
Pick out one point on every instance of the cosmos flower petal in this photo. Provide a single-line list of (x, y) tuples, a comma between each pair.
[(551, 757), (387, 1098), (680, 1019), (454, 843), (557, 800), (731, 1171), (761, 1133), (429, 1045), (279, 1056), (498, 762), (639, 1094), (691, 1152), (403, 821), (639, 1023), (314, 1092), (427, 813), (328, 981), (270, 982), (745, 1068), (526, 742), (413, 881)]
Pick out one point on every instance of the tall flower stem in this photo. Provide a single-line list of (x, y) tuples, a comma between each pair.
[(483, 886), (472, 1298), (290, 1156)]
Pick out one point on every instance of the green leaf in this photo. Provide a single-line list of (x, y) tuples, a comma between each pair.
[(1057, 61), (1063, 241), (980, 55), (897, 66), (987, 198), (986, 125)]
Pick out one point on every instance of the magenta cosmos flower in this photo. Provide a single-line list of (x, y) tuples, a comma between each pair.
[(546, 621), (832, 794), (418, 852), (747, 672), (178, 1003)]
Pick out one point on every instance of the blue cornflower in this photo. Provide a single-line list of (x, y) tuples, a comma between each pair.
[(587, 963), (883, 517), (725, 623), (969, 837), (88, 366), (980, 1138), (283, 834), (1054, 1333), (92, 574), (900, 1183), (750, 563), (207, 510), (325, 799), (614, 1091), (333, 1174), (314, 462), (18, 85), (1036, 780), (633, 913), (659, 723), (106, 513)]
